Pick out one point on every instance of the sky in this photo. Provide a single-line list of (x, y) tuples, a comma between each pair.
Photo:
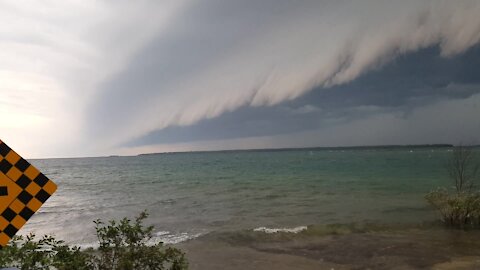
[(88, 78)]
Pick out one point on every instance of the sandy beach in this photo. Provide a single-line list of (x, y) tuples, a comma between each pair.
[(396, 249)]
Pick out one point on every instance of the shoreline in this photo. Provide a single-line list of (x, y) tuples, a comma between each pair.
[(394, 248), (427, 245)]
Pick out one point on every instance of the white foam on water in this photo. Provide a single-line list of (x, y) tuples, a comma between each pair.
[(165, 237), (173, 238), (87, 245), (277, 230)]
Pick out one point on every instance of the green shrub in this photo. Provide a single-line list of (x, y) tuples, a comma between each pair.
[(460, 205), (123, 245), (46, 253), (456, 209)]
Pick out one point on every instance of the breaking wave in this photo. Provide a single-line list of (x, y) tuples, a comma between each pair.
[(277, 230)]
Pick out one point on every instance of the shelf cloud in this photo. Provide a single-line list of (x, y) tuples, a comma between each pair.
[(217, 56), (114, 72)]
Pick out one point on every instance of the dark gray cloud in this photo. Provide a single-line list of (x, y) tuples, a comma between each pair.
[(412, 81), (216, 57)]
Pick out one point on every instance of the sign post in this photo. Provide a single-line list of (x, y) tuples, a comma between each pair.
[(23, 189)]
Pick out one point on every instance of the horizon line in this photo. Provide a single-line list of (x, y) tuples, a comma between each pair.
[(273, 149)]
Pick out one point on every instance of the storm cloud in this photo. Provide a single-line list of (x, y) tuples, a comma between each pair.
[(413, 81), (96, 77), (218, 56)]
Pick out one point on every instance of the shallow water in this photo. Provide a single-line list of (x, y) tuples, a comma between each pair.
[(339, 247), (192, 194)]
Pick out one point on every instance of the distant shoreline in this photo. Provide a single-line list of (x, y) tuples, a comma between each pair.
[(415, 146), (359, 147)]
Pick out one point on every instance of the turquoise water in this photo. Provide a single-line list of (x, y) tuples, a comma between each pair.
[(190, 194)]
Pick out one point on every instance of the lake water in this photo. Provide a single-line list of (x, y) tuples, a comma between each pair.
[(193, 194)]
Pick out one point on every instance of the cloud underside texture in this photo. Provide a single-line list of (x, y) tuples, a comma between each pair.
[(402, 93), (215, 57)]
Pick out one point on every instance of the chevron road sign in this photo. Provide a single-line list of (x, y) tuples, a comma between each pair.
[(23, 189)]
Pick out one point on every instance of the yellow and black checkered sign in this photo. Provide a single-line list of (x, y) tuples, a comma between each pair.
[(23, 189)]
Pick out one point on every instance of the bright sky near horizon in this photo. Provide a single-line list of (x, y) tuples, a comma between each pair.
[(85, 78)]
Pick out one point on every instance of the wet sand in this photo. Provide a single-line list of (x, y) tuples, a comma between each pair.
[(406, 249)]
